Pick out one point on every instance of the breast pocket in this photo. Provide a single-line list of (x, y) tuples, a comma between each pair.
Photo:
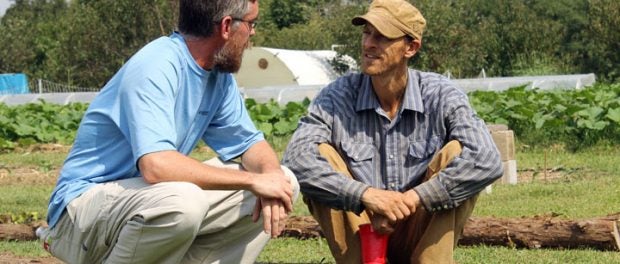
[(423, 150), (361, 160)]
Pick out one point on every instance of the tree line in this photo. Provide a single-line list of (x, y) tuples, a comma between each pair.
[(83, 42)]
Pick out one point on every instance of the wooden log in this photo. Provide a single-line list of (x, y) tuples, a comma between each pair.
[(16, 232), (534, 232), (542, 232)]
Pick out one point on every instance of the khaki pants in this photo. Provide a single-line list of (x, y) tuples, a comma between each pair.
[(423, 238), (130, 221)]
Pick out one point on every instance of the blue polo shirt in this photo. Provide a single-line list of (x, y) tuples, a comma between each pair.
[(159, 100)]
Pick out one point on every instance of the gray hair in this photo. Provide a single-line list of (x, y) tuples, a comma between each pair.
[(198, 17)]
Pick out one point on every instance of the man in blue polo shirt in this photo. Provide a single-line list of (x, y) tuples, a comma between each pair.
[(129, 193)]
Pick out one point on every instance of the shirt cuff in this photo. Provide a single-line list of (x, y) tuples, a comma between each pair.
[(353, 191), (434, 196)]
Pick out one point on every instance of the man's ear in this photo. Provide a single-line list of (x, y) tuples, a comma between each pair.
[(412, 48), (225, 27)]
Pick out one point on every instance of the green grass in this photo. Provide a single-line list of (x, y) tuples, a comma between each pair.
[(588, 186), (502, 255), (16, 199), (36, 159), (579, 185), (579, 198), (23, 249), (292, 250)]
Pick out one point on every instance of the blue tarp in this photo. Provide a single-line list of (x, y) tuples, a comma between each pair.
[(14, 83)]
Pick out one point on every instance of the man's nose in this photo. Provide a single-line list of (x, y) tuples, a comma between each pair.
[(369, 41)]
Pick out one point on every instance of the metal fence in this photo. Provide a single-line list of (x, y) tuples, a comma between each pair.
[(64, 94)]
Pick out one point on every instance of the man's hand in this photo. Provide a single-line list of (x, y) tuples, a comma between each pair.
[(395, 206), (413, 196), (274, 185), (274, 215), (381, 224), (274, 200), (273, 189)]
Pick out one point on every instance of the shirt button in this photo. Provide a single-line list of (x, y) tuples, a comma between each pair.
[(391, 156)]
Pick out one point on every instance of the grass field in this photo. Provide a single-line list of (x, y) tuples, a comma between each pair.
[(574, 186)]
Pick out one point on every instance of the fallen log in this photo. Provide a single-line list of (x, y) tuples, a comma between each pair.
[(531, 232), (542, 232), (534, 232), (15, 232)]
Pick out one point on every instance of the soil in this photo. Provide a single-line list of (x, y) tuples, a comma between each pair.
[(6, 258), (541, 175)]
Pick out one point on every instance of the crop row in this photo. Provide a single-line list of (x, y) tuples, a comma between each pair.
[(575, 118)]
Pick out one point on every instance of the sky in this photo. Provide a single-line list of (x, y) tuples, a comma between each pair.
[(4, 4)]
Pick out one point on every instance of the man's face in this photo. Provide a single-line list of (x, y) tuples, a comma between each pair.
[(380, 54), (228, 58)]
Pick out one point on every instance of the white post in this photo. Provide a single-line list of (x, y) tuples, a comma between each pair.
[(40, 86)]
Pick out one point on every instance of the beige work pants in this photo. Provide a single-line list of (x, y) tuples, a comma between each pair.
[(130, 221), (423, 238)]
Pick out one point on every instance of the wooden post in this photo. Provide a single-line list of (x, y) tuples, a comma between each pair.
[(505, 142)]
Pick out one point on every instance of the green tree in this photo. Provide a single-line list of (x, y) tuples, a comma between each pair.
[(601, 41), (29, 34), (101, 35), (285, 13), (83, 42)]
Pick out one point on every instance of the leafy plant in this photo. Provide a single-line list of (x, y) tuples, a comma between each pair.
[(576, 118), (39, 123), (275, 120), (19, 218)]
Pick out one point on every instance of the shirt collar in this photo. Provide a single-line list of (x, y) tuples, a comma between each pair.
[(412, 99)]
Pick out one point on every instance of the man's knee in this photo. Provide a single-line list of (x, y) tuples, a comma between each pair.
[(443, 157), (181, 204), (294, 183)]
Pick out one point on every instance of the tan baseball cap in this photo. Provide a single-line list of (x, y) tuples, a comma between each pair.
[(393, 18)]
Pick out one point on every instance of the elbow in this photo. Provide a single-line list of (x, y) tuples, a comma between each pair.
[(498, 171), (497, 166), (149, 166), (150, 178)]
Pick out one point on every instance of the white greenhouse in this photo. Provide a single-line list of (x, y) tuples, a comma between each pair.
[(263, 67)]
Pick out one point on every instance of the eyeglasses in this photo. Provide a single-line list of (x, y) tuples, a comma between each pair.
[(252, 24)]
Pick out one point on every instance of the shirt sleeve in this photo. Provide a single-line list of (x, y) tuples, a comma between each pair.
[(231, 132), (317, 179), (477, 166), (147, 96)]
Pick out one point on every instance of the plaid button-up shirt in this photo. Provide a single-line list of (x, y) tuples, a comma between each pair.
[(392, 154)]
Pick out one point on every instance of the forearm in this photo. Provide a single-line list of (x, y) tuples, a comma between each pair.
[(318, 180), (165, 166), (260, 158)]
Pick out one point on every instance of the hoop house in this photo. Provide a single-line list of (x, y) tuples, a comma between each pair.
[(263, 67)]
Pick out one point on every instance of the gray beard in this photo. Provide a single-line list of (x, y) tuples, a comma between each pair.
[(225, 59)]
